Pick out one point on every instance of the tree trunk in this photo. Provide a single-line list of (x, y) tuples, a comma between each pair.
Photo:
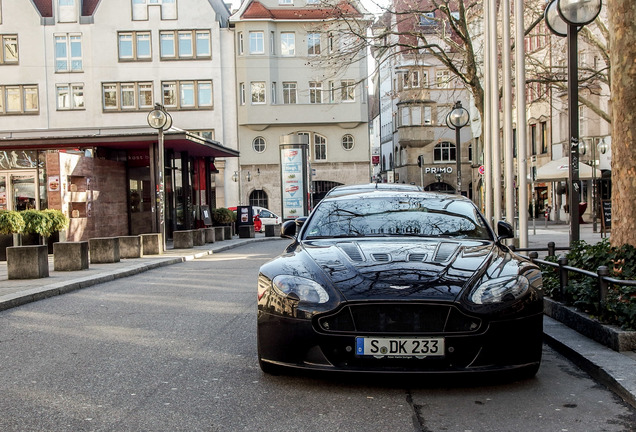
[(622, 15)]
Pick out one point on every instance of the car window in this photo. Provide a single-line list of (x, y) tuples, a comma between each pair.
[(266, 214), (380, 216)]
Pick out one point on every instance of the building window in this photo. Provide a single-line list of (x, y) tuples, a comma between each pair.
[(444, 152), (315, 92), (257, 43), (19, 99), (347, 142), (258, 92), (67, 11), (70, 96), (272, 43), (127, 96), (240, 43), (544, 137), (68, 53), (320, 147), (188, 95), (289, 92), (140, 9), (313, 43), (427, 19), (285, 2), (347, 91), (242, 93), (442, 78), (288, 44), (258, 198), (188, 44), (9, 49), (332, 92), (273, 93), (258, 144), (533, 139), (134, 46)]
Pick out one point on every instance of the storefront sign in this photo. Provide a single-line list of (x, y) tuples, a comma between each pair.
[(294, 176), (438, 170)]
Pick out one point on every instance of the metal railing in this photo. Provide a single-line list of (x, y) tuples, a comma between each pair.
[(601, 275)]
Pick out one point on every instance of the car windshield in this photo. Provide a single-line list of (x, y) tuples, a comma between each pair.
[(370, 215)]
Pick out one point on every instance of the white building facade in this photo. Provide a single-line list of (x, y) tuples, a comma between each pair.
[(287, 83)]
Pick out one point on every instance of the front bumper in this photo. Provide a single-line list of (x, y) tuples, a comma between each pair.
[(497, 346)]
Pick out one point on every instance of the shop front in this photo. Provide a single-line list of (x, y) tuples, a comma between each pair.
[(108, 184)]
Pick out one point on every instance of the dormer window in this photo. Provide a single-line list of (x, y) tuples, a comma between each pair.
[(67, 11)]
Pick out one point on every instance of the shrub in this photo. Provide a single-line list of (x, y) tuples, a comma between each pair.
[(59, 221), (11, 222), (223, 216), (583, 292), (36, 222)]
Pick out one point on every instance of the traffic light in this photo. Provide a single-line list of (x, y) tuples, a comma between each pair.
[(420, 158)]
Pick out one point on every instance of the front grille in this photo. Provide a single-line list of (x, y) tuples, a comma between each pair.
[(398, 318)]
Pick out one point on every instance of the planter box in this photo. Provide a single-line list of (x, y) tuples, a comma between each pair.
[(246, 231), (104, 250), (198, 237), (70, 256), (27, 262), (209, 235), (6, 240), (152, 243), (131, 247), (608, 335), (228, 232), (182, 239), (219, 233), (272, 230)]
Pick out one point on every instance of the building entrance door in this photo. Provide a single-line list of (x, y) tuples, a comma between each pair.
[(19, 190)]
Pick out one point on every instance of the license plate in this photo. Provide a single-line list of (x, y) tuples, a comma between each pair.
[(400, 347)]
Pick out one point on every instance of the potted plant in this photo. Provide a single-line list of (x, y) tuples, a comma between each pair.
[(58, 225), (223, 216), (11, 224)]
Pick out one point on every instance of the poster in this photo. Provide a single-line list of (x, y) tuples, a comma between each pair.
[(54, 183)]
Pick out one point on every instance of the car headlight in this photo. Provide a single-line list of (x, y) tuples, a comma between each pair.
[(500, 290), (306, 289)]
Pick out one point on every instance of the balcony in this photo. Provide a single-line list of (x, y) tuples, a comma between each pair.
[(417, 136)]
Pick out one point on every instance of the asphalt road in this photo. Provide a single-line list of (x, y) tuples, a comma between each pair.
[(174, 349)]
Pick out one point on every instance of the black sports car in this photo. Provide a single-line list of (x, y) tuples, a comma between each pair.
[(399, 282)]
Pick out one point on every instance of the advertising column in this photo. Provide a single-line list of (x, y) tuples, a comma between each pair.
[(294, 172)]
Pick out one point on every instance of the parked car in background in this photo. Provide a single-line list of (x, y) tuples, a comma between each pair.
[(370, 187), (266, 216), (399, 282)]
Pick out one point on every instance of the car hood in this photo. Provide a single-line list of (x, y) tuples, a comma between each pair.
[(393, 269)]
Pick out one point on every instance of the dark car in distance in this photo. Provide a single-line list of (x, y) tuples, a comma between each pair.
[(399, 282)]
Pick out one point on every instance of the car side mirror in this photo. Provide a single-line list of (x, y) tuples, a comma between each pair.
[(290, 228), (504, 231)]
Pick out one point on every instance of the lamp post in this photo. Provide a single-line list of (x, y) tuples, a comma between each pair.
[(159, 119), (457, 119), (564, 18)]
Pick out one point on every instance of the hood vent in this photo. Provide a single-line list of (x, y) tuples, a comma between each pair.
[(352, 250), (418, 257), (444, 252), (382, 257)]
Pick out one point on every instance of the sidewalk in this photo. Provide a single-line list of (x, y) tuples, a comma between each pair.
[(615, 370)]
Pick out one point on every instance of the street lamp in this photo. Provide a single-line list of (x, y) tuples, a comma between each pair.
[(457, 119), (571, 15), (159, 119), (236, 177)]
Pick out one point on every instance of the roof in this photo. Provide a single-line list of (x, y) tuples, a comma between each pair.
[(45, 7), (257, 10), (175, 140)]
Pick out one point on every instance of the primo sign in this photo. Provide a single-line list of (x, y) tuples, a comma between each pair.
[(438, 170)]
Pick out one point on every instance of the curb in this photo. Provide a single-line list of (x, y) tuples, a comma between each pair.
[(612, 369)]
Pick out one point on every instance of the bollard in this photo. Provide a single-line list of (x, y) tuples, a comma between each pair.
[(563, 275), (551, 249), (533, 255), (603, 285)]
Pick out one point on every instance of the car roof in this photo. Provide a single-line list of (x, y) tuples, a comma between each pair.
[(371, 187), (388, 194)]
